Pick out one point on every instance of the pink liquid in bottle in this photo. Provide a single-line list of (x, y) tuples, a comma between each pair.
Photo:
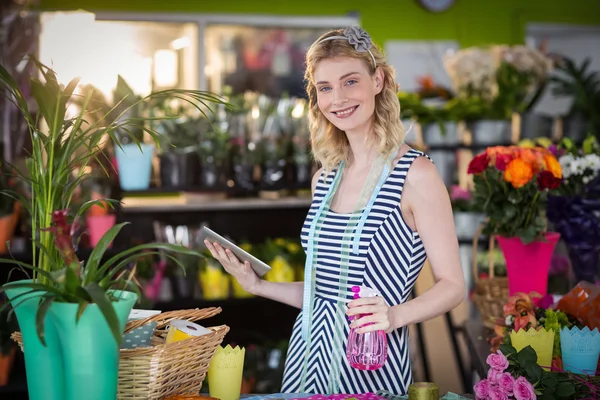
[(366, 351)]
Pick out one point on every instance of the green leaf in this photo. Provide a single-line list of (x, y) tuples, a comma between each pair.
[(549, 381), (526, 355), (80, 310), (72, 281), (507, 350), (565, 389), (546, 394), (100, 298), (40, 317), (534, 372), (98, 252)]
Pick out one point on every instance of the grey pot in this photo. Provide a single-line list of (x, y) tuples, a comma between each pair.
[(536, 125), (490, 132), (433, 135), (446, 164), (466, 224)]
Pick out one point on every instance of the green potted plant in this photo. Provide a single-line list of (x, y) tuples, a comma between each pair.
[(503, 80), (466, 219), (56, 166), (583, 86), (180, 137)]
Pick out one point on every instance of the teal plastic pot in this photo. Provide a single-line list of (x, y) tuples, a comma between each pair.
[(43, 364), (89, 350)]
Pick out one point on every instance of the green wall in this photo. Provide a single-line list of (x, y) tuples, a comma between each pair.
[(471, 22)]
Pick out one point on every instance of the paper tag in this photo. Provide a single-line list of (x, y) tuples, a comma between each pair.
[(141, 314)]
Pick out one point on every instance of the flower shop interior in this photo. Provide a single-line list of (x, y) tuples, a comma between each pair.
[(504, 96)]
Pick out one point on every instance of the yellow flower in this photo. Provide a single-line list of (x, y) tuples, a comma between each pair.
[(518, 173), (214, 282), (281, 271), (293, 247), (246, 247), (280, 242)]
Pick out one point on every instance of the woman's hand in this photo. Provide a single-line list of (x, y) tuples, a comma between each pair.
[(380, 318), (241, 271)]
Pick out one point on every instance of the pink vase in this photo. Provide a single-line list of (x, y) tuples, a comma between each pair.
[(527, 265), (98, 225)]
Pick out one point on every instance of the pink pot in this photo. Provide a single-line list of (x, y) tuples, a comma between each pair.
[(527, 265), (98, 225)]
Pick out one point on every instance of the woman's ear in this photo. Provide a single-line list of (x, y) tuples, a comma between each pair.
[(379, 80)]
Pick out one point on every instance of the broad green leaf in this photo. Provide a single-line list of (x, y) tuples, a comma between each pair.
[(534, 372), (527, 354), (80, 309), (100, 298), (96, 255), (565, 389)]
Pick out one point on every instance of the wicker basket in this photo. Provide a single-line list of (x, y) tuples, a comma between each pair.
[(492, 293), (166, 369)]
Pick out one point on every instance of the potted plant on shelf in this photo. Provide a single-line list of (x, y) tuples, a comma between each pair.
[(179, 161), (506, 80), (9, 208), (511, 188), (56, 166), (466, 219), (583, 86)]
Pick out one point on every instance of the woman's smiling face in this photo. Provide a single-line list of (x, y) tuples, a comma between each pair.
[(346, 92)]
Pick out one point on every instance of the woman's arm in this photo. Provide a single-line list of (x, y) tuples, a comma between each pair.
[(427, 198)]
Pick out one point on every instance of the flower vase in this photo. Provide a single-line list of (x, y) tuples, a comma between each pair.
[(580, 349), (134, 165), (584, 261), (43, 364), (98, 225), (89, 349), (541, 341), (527, 265)]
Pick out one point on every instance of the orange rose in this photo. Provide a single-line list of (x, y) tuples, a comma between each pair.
[(553, 166), (518, 173)]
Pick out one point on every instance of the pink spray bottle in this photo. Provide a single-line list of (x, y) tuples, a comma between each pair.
[(366, 351)]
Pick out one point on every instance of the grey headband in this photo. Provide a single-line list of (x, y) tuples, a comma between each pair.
[(358, 38)]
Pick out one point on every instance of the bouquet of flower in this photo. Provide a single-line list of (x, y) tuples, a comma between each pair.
[(516, 375), (575, 209), (525, 311), (508, 79), (511, 188)]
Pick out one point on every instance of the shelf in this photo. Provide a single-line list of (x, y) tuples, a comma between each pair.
[(220, 205)]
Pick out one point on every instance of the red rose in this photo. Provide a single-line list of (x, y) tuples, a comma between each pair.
[(502, 161), (479, 164), (546, 180)]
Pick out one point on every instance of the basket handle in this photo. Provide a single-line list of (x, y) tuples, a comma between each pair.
[(490, 253), (164, 319)]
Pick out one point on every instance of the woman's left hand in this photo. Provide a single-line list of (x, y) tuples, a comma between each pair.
[(379, 319)]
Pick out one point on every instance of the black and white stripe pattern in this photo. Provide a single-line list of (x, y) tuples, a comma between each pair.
[(390, 258)]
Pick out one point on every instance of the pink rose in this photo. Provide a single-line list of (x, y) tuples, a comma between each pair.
[(497, 361), (493, 375), (523, 390), (495, 393), (481, 389), (506, 383)]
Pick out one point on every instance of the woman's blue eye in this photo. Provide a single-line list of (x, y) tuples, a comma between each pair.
[(323, 88), (351, 82)]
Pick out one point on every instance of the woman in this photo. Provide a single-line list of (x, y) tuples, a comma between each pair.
[(379, 210)]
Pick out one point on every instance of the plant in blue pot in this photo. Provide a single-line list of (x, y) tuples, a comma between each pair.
[(87, 304), (65, 140)]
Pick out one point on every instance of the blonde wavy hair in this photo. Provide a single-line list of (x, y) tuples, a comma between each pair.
[(330, 144)]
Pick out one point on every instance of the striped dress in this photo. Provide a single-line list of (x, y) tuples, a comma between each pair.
[(390, 258)]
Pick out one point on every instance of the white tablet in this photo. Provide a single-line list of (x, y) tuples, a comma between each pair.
[(258, 266)]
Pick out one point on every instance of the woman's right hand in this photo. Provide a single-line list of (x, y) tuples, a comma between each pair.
[(241, 271)]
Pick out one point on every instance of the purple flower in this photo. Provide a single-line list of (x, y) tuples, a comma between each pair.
[(523, 390), (506, 383), (495, 393), (481, 389), (497, 361)]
